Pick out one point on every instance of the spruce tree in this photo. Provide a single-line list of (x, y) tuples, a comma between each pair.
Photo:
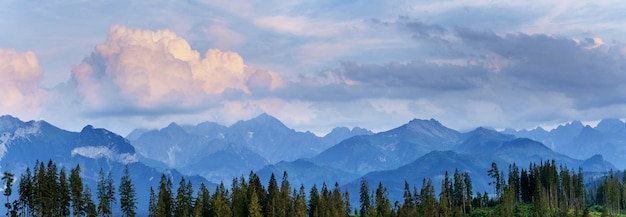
[(183, 199), (285, 200), (64, 194), (26, 192), (299, 203), (164, 203), (383, 205), (239, 197), (106, 194), (271, 204), (254, 208), (7, 178), (152, 203), (364, 197), (220, 205), (90, 206), (314, 202), (76, 192), (128, 197)]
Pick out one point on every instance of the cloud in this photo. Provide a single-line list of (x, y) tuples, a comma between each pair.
[(20, 83), (157, 72)]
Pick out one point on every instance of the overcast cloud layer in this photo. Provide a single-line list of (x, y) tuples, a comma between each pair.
[(314, 65)]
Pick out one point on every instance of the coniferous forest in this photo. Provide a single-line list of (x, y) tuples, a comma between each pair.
[(543, 189)]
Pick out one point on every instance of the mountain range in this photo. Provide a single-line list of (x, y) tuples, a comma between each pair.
[(22, 144), (607, 138), (212, 153), (220, 153)]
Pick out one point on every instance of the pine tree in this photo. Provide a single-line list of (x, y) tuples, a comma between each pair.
[(285, 204), (408, 207), (26, 193), (183, 199), (220, 205), (90, 206), (299, 203), (64, 194), (202, 204), (152, 203), (270, 207), (429, 206), (239, 197), (7, 178), (51, 183), (164, 203), (364, 197), (254, 209), (383, 205), (314, 202), (128, 197), (494, 173), (106, 194), (76, 192)]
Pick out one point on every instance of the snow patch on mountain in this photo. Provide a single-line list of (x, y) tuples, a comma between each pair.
[(24, 132), (96, 152), (3, 144)]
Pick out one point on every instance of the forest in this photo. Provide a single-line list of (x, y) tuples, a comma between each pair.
[(543, 189)]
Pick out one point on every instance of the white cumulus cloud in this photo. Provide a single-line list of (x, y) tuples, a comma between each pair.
[(144, 70), (21, 76)]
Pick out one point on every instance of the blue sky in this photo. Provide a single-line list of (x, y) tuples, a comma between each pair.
[(313, 64)]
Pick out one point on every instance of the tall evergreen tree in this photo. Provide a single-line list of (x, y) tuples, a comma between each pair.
[(26, 191), (314, 202), (76, 192), (383, 204), (220, 204), (90, 206), (299, 203), (184, 199), (364, 197), (254, 208), (152, 203), (428, 201), (408, 206), (7, 178), (273, 193), (164, 205), (494, 173), (128, 197), (285, 200), (64, 194), (240, 199), (106, 194), (202, 204)]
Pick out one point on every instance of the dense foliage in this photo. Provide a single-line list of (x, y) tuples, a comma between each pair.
[(543, 189)]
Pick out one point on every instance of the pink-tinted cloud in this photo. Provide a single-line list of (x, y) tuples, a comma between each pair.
[(21, 76), (144, 70)]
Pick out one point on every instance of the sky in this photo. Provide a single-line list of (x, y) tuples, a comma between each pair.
[(314, 65)]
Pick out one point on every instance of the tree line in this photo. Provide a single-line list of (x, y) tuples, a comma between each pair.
[(543, 189)]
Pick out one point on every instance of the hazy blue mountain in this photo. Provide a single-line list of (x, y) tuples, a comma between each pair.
[(608, 138), (338, 134), (432, 165), (24, 143), (307, 173), (482, 140), (390, 149), (224, 165), (260, 141), (271, 139)]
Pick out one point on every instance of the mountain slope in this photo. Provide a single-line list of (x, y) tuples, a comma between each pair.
[(390, 149), (24, 143)]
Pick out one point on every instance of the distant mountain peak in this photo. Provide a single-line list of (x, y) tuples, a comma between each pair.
[(429, 127), (9, 122)]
